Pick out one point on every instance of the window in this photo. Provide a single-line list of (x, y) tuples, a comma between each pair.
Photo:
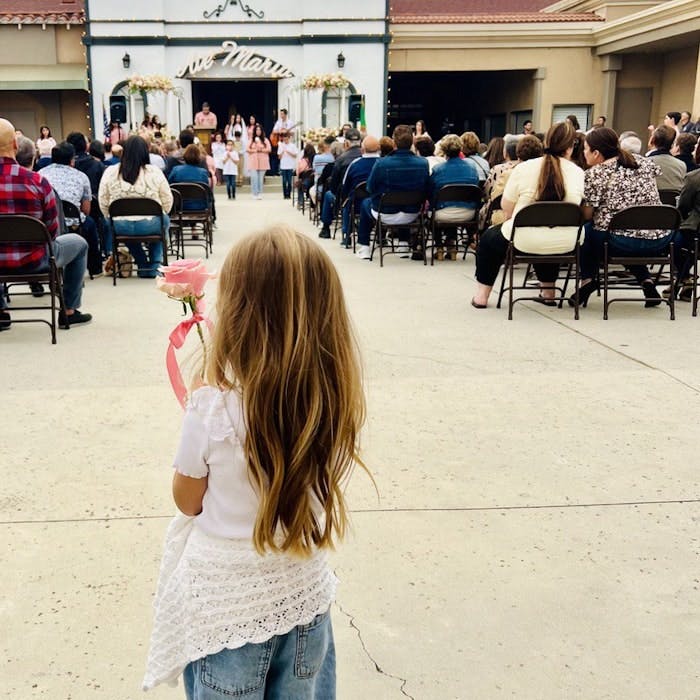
[(582, 112)]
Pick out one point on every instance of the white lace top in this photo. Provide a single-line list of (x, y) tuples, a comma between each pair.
[(214, 590)]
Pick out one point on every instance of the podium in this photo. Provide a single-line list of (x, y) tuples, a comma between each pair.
[(204, 136)]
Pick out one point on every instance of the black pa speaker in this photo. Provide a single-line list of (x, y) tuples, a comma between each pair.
[(117, 108), (355, 108)]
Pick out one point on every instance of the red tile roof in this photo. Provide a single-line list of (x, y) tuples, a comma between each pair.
[(480, 12), (498, 18), (418, 8), (42, 12)]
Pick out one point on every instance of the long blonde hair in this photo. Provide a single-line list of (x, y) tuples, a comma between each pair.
[(283, 339)]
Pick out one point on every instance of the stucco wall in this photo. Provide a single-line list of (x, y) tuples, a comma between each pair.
[(29, 46), (677, 85)]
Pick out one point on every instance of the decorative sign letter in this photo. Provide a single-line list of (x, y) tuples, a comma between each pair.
[(232, 55)]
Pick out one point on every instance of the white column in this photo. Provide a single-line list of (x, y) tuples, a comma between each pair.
[(132, 111), (343, 111)]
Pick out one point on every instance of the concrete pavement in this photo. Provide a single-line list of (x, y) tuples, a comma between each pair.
[(535, 534)]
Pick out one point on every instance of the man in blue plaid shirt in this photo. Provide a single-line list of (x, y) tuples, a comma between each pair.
[(25, 192)]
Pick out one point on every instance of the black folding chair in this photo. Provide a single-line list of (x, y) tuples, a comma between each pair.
[(135, 207), (357, 196), (643, 217), (467, 227), (546, 216), (27, 231), (400, 201), (669, 197), (199, 220), (175, 232)]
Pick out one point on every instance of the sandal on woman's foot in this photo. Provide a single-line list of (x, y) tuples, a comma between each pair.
[(477, 306), (545, 301)]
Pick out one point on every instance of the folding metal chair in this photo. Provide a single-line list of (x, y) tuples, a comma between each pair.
[(199, 220), (468, 225), (643, 217), (135, 207), (399, 201), (26, 230), (544, 215), (359, 194)]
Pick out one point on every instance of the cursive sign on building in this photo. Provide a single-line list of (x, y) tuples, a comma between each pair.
[(243, 58)]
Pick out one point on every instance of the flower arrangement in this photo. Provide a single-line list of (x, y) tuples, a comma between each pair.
[(325, 80), (184, 281), (150, 83), (317, 134)]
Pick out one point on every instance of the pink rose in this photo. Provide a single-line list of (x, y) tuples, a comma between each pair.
[(184, 278)]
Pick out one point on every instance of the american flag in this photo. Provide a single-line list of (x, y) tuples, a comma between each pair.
[(105, 121)]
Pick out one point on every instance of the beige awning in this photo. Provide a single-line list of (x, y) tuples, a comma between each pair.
[(68, 76)]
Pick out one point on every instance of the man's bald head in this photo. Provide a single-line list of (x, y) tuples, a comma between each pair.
[(8, 139), (370, 144)]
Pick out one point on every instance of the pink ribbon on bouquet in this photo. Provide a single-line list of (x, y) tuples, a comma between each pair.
[(177, 340)]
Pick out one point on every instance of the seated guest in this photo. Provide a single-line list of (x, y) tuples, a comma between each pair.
[(358, 171), (85, 162), (25, 192), (672, 120), (470, 149), (685, 125), (510, 159), (73, 186), (402, 171), (322, 158), (155, 157), (495, 151), (689, 207), (616, 180), (136, 178), (113, 153), (425, 148), (351, 144), (671, 170), (191, 171), (303, 169), (684, 149), (454, 171), (551, 178), (26, 152), (97, 150), (386, 146), (629, 141)]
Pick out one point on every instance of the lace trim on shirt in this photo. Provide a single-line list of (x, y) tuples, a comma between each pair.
[(210, 404)]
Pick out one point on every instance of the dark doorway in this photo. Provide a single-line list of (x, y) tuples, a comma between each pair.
[(227, 97), (482, 101)]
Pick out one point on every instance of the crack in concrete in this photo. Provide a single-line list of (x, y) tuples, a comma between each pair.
[(377, 667)]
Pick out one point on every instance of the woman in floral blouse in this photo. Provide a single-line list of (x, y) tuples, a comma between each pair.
[(615, 180)]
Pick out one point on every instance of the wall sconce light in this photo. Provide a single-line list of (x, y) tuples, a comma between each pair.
[(126, 60), (341, 60)]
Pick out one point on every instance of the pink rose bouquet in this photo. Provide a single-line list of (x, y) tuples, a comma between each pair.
[(184, 281)]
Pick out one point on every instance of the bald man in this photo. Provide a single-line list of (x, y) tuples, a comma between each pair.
[(358, 171), (25, 192)]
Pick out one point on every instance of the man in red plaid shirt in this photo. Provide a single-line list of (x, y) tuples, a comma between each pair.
[(25, 192)]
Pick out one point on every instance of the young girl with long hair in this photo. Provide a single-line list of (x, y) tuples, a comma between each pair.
[(258, 150), (266, 451), (550, 178)]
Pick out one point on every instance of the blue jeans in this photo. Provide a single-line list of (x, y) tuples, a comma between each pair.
[(299, 665), (230, 186), (592, 251), (126, 227), (257, 178), (327, 208), (287, 183)]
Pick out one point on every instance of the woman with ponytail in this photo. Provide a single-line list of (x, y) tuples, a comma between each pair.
[(617, 179), (551, 178)]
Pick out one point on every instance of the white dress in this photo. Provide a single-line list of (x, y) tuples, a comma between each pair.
[(214, 591)]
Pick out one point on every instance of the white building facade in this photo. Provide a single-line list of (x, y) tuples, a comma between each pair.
[(241, 57)]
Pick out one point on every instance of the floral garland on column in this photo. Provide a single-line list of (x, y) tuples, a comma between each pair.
[(317, 81), (150, 83)]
